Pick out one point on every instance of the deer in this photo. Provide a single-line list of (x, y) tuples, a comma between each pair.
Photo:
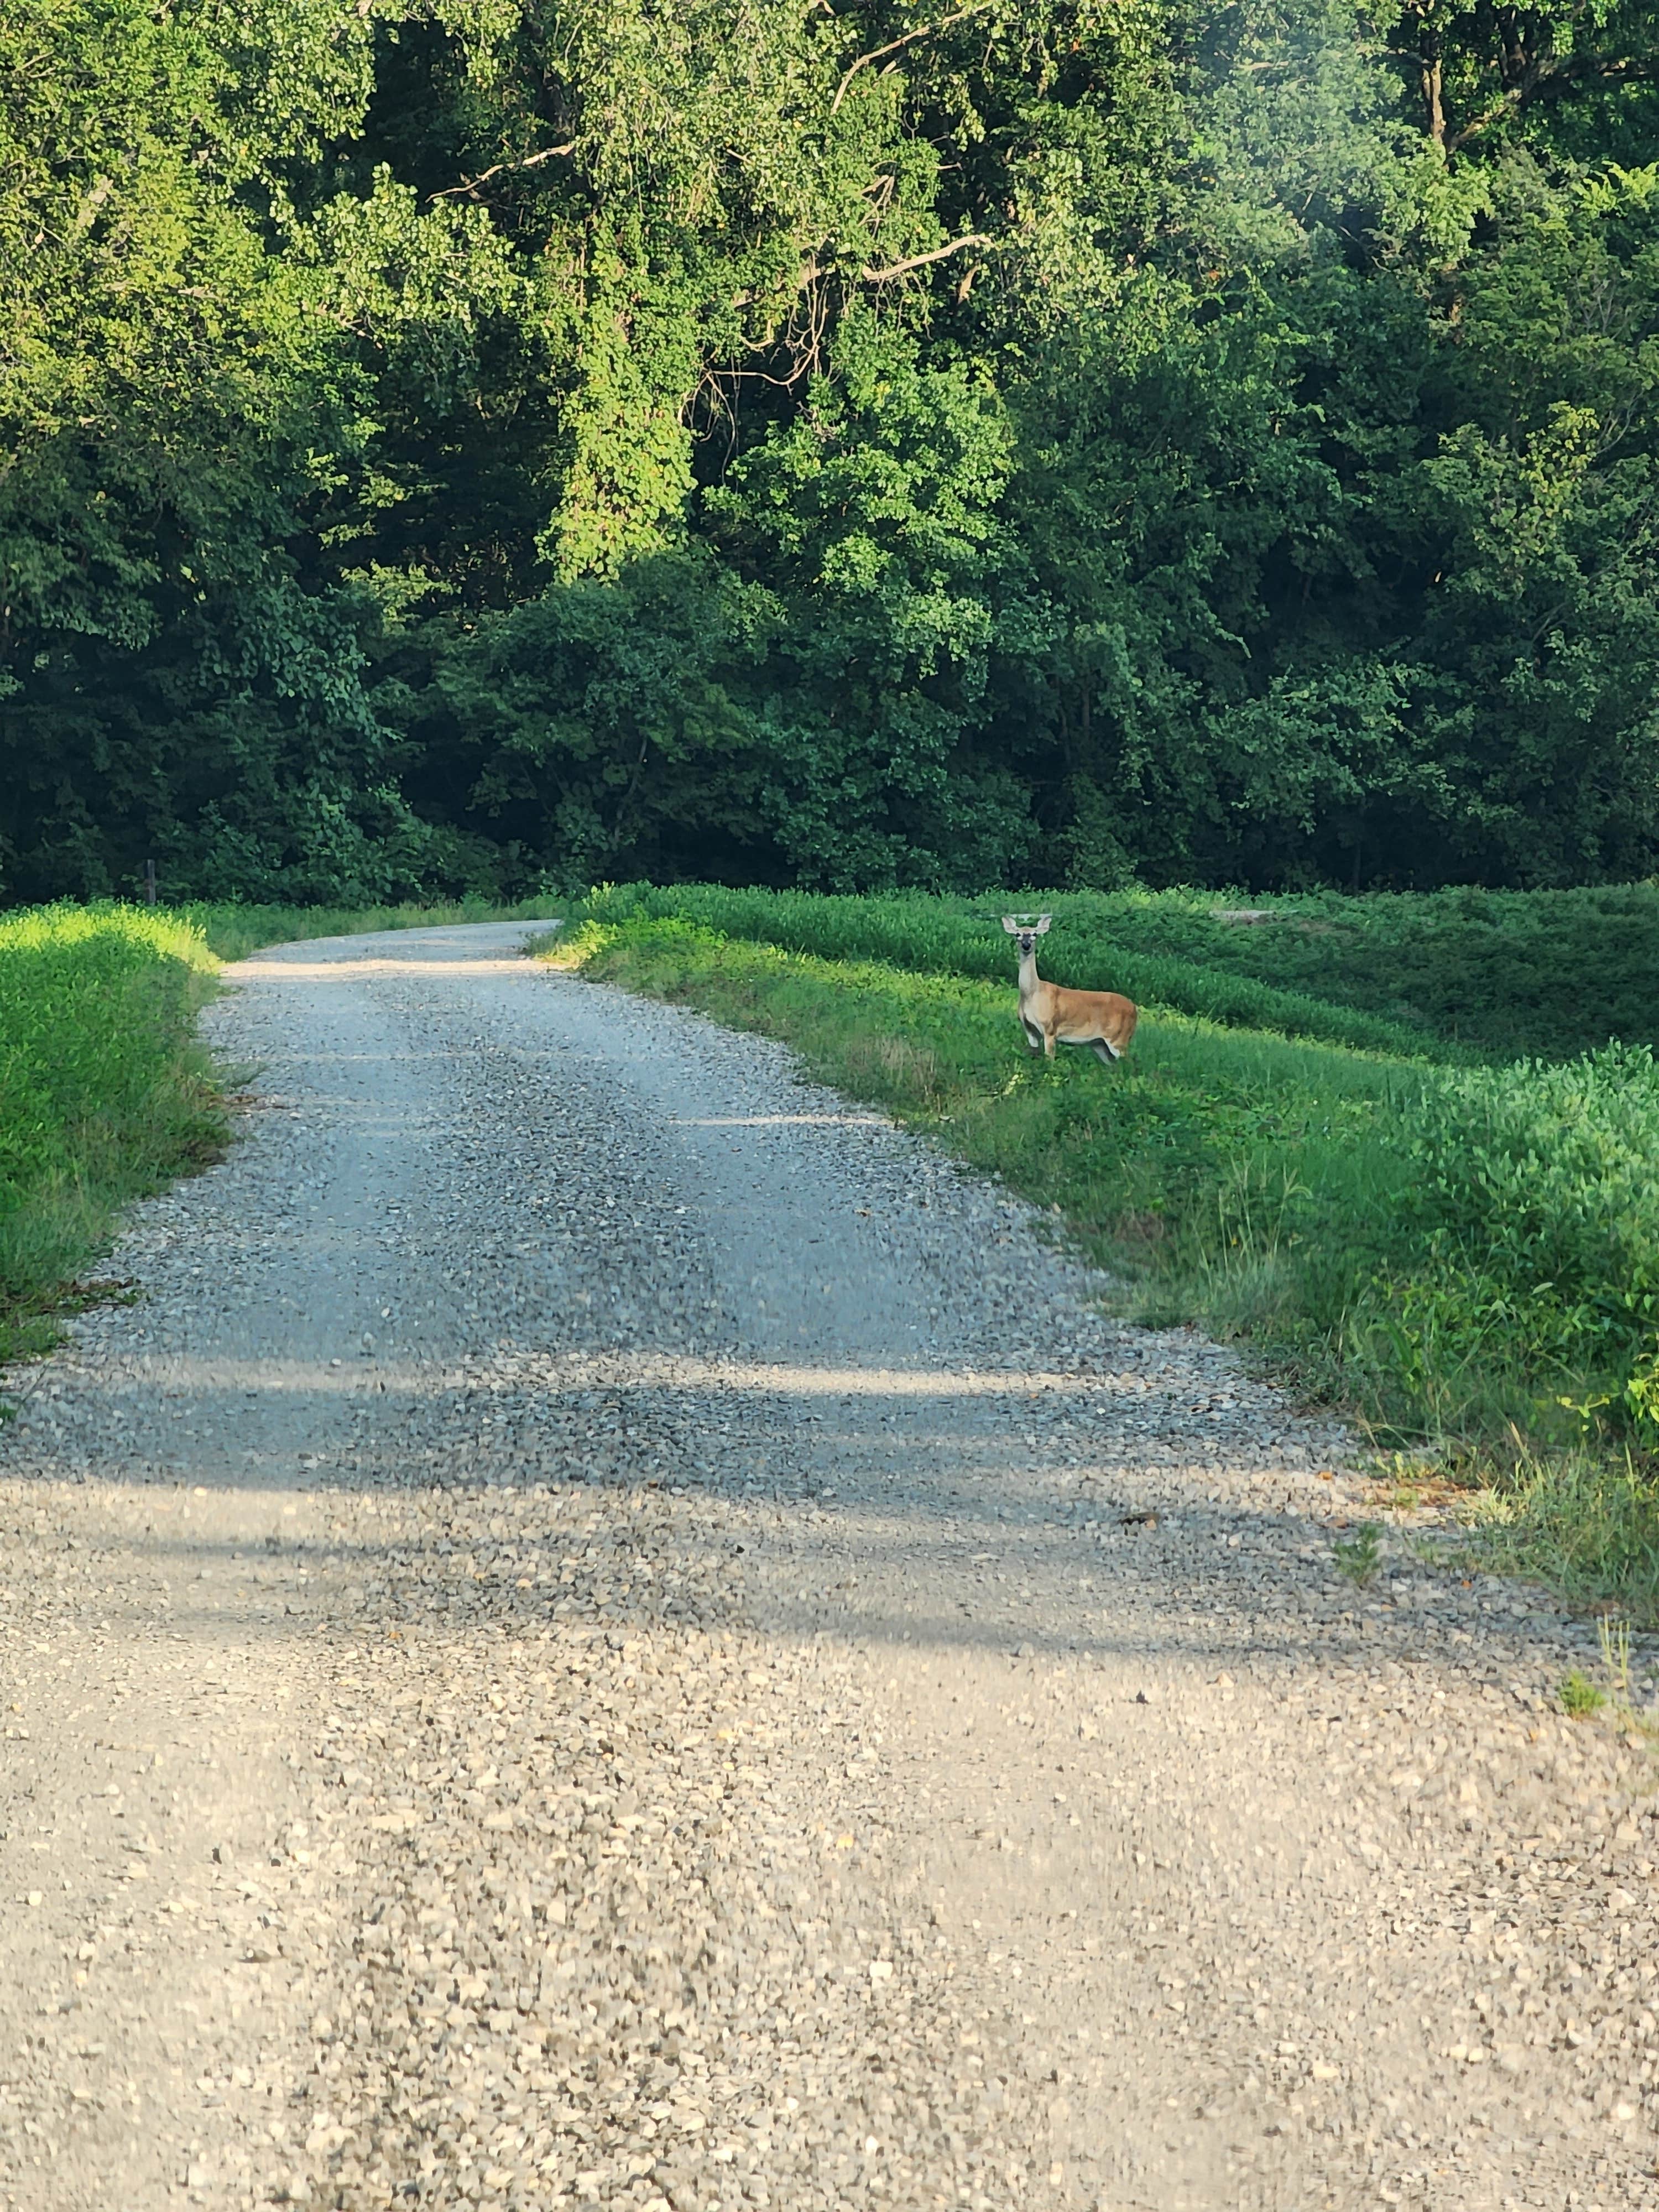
[(1100, 1019)]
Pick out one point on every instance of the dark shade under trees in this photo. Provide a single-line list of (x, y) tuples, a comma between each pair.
[(473, 448)]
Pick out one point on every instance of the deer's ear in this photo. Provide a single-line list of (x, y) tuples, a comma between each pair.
[(1011, 925), (1043, 923)]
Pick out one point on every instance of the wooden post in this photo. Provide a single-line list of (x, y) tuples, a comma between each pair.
[(150, 883)]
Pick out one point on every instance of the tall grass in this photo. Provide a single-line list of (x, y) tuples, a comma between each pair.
[(103, 1092), (1468, 1258)]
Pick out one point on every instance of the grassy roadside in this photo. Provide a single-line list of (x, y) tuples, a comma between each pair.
[(104, 1093), (1459, 975), (963, 937), (1458, 1255)]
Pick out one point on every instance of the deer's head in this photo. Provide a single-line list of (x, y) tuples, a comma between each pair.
[(1025, 933)]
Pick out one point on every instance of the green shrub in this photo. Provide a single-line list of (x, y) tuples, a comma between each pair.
[(1531, 1228)]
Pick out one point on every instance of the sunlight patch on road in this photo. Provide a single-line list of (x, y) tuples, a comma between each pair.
[(849, 1120), (578, 1370), (366, 967)]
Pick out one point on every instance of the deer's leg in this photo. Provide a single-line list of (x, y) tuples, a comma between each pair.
[(1107, 1055), (1047, 1044), (1033, 1035)]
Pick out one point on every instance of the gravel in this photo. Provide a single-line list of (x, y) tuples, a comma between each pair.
[(610, 1629)]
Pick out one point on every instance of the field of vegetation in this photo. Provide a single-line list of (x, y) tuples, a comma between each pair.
[(1461, 1247)]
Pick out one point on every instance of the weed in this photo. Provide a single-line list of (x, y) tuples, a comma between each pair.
[(1579, 1696), (1613, 1635), (1359, 1556)]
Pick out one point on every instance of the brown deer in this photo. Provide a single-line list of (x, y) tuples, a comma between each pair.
[(1100, 1019)]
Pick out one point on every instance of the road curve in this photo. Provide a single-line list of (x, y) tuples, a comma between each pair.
[(608, 1630)]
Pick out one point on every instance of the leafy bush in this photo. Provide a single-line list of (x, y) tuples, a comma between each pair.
[(1531, 1229)]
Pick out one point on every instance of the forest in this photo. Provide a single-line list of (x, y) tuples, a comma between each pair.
[(481, 450)]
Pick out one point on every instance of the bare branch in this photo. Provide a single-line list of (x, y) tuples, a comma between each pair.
[(921, 260), (925, 31), (530, 161)]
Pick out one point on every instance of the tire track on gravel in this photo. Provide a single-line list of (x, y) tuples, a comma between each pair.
[(652, 1650)]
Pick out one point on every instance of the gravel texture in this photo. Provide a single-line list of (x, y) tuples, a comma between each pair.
[(608, 1630)]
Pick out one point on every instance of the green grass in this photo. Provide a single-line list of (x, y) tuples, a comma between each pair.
[(964, 937), (1450, 975), (1465, 1257), (104, 1093), (1541, 975)]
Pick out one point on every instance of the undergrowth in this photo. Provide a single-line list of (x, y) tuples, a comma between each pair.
[(1463, 1256)]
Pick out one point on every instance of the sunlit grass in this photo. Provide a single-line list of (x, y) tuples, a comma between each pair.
[(964, 937), (1464, 973), (104, 1093)]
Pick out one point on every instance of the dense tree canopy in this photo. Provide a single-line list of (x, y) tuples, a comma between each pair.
[(841, 441)]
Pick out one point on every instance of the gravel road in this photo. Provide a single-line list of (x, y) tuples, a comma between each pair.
[(608, 1630)]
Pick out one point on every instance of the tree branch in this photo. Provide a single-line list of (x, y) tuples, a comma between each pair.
[(530, 161), (1550, 75), (921, 260), (926, 31)]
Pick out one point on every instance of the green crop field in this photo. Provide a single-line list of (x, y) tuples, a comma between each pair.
[(1460, 974), (1458, 1245)]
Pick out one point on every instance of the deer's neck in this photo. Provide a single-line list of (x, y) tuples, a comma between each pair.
[(1029, 978)]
